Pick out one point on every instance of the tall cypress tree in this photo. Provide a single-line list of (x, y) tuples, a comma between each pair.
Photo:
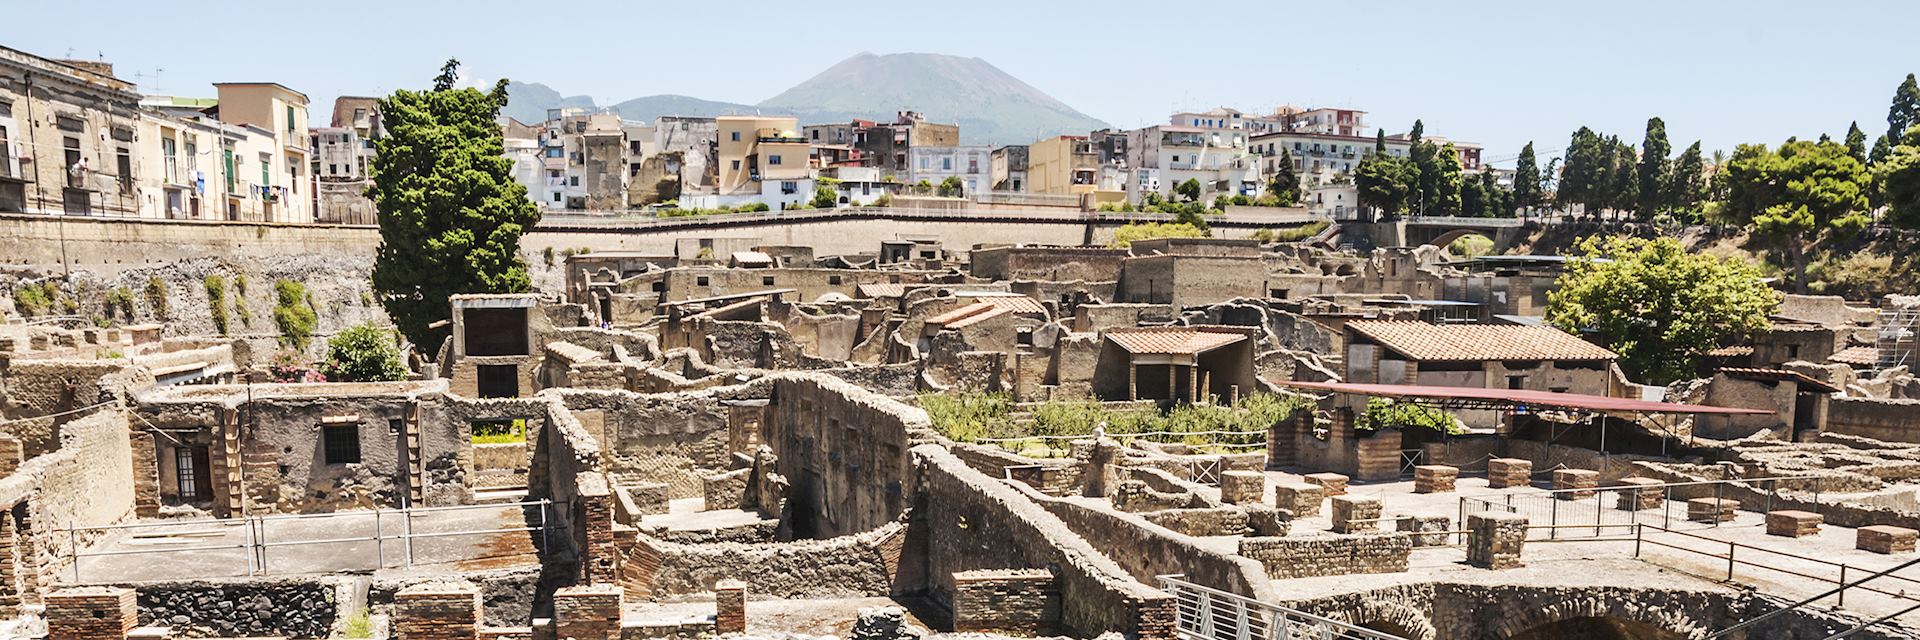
[(1688, 186), (1856, 142), (1654, 169), (1380, 141), (451, 215), (1284, 185), (1526, 179), (1905, 111)]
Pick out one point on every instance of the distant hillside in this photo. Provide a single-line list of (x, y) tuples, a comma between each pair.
[(528, 102), (989, 105)]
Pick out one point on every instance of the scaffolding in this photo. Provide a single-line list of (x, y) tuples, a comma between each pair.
[(1896, 341)]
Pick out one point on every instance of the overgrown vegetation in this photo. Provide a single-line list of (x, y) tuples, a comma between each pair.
[(500, 432), (37, 299), (688, 212), (364, 353), (359, 625), (991, 416), (120, 304), (156, 294), (293, 313), (217, 301), (1291, 234), (1126, 235), (1382, 413)]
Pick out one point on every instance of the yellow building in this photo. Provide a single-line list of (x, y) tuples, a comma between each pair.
[(1062, 165), (284, 184), (762, 156)]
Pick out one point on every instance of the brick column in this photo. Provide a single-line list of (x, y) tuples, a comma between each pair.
[(1494, 540), (11, 454), (1637, 493), (146, 475), (1575, 484), (1243, 487), (730, 607), (1283, 438), (1508, 473), (437, 611), (1155, 619), (1331, 484), (1299, 498), (593, 531), (1020, 601), (587, 612), (91, 613), (1354, 514), (9, 568), (1434, 478)]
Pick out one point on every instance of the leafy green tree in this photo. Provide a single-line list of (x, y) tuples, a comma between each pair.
[(363, 353), (1383, 413), (1904, 113), (1527, 190), (952, 187), (1857, 142), (1801, 189), (1688, 186), (1898, 180), (824, 197), (1380, 141), (1655, 170), (1500, 200), (1284, 185), (1623, 180), (1188, 191), (1657, 305), (1438, 168), (1582, 175), (451, 215), (1384, 182), (1473, 200)]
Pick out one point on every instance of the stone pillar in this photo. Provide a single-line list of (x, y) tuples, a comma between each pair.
[(1637, 493), (1243, 487), (1793, 524), (1425, 531), (1299, 498), (146, 475), (1434, 478), (1331, 484), (730, 607), (437, 611), (12, 454), (587, 612), (1509, 473), (1354, 514), (1882, 538), (1133, 381), (593, 531), (1495, 540), (1019, 601), (1156, 618), (91, 613), (1283, 438), (1575, 484), (9, 567)]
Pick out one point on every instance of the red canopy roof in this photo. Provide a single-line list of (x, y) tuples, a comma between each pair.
[(1517, 398)]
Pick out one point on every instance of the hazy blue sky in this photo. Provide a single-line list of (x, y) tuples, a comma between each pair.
[(1496, 72)]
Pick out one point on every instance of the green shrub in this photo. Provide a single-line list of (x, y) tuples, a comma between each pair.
[(546, 254), (35, 299), (968, 417), (1126, 235), (240, 283), (120, 303), (359, 625), (156, 293), (364, 353), (885, 200), (1383, 413), (824, 197), (293, 314), (1291, 234), (500, 432), (217, 301)]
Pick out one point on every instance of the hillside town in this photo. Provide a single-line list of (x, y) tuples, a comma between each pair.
[(430, 372)]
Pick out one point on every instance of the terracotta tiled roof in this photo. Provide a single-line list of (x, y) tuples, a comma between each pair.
[(1469, 342), (1735, 351), (1016, 304), (882, 290), (1856, 356), (993, 312), (1172, 342), (955, 315)]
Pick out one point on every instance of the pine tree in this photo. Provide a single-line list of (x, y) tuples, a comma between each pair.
[(1380, 141), (1654, 169), (1284, 185), (1582, 171), (1856, 142), (1688, 186), (1419, 133), (1526, 179), (1624, 187), (451, 215), (1905, 111)]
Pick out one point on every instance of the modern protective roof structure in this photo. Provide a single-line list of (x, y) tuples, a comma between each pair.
[(1473, 342), (1481, 398), (1181, 342)]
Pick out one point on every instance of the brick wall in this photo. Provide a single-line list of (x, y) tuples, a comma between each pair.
[(1306, 557), (589, 612), (90, 613), (1020, 601)]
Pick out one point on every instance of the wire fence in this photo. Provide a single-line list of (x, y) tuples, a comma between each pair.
[(1203, 613), (1566, 511), (307, 543)]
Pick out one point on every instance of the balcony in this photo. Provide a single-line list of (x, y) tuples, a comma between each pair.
[(782, 139)]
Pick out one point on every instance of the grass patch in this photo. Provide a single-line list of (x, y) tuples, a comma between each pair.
[(359, 625), (976, 416), (500, 432)]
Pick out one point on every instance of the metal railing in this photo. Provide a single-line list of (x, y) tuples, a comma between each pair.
[(1565, 513), (1757, 558), (1203, 613), (255, 544)]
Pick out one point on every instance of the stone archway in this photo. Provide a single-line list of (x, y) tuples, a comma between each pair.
[(1447, 239), (1598, 619), (1392, 618)]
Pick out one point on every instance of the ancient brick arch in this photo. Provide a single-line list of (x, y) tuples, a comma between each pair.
[(1393, 618), (1651, 614)]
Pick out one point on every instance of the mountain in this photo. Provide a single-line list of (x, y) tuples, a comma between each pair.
[(990, 106), (528, 102), (987, 103)]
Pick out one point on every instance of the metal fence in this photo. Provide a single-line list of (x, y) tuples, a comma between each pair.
[(1564, 512), (1203, 613), (301, 543)]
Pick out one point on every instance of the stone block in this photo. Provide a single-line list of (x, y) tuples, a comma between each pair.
[(1639, 494), (1425, 531), (1881, 538), (1331, 484), (1495, 540), (1712, 509), (1243, 487), (1327, 555), (91, 613), (1434, 478), (1268, 521), (730, 607), (1575, 484), (1509, 473), (1793, 524), (437, 611), (1299, 498), (587, 612), (1354, 514), (150, 633)]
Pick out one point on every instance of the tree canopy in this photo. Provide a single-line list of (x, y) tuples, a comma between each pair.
[(451, 215), (1801, 188), (1657, 305), (1284, 185), (1528, 191), (1655, 170), (363, 353)]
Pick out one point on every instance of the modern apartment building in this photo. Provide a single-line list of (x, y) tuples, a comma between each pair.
[(972, 164), (1161, 157), (1062, 165), (761, 159), (68, 129), (1009, 169)]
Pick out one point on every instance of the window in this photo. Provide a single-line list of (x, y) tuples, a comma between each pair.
[(1176, 158), (266, 169), (556, 196), (736, 136), (773, 159), (573, 181), (833, 280), (6, 109), (341, 443), (766, 281), (701, 281), (946, 164), (495, 331), (497, 380), (289, 118), (69, 123), (736, 165)]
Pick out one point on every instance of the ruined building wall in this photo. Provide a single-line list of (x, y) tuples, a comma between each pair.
[(843, 448), (88, 481), (32, 388), (676, 439)]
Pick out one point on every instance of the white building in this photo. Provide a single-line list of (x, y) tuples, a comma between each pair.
[(1164, 156), (972, 164)]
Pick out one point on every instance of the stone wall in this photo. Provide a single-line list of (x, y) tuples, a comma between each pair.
[(843, 449), (676, 439), (1147, 550), (975, 522), (88, 481), (246, 608), (861, 565), (1311, 556), (508, 597), (1888, 420)]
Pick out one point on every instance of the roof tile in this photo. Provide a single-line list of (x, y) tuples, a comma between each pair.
[(1469, 342)]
